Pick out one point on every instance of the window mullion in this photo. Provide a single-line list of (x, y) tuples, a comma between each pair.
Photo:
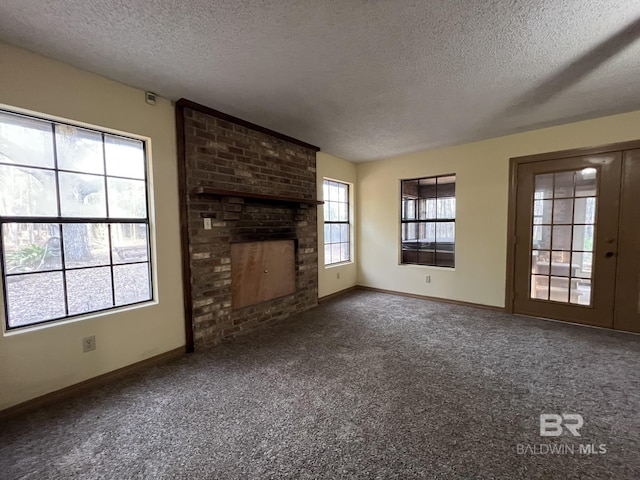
[(64, 272), (104, 165), (110, 237), (59, 207), (113, 283), (55, 166)]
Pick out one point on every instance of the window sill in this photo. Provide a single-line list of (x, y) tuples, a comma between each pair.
[(341, 264), (80, 318), (447, 269)]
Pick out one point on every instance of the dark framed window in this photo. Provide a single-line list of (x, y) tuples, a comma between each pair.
[(74, 220), (428, 221), (337, 226)]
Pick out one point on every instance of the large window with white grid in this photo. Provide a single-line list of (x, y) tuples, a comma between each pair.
[(74, 220)]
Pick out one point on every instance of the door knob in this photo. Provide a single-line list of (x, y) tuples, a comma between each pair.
[(609, 254)]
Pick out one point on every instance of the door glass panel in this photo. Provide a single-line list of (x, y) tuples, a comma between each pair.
[(586, 182), (542, 210), (560, 265), (582, 263), (580, 291), (562, 211), (583, 238), (540, 287), (544, 186), (559, 291), (542, 237), (540, 262), (563, 187), (563, 236), (585, 210)]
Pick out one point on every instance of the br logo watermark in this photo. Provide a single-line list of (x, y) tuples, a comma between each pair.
[(556, 425), (551, 424)]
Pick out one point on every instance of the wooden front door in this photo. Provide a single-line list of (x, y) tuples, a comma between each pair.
[(577, 239)]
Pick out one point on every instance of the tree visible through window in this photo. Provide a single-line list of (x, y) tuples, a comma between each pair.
[(74, 220), (337, 235), (428, 221)]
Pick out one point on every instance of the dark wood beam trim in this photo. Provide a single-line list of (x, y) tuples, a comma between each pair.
[(184, 103), (184, 230), (578, 152), (215, 192), (509, 294)]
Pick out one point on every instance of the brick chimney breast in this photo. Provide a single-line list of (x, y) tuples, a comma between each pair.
[(221, 155)]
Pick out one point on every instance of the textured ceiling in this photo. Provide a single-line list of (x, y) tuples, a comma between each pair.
[(361, 79)]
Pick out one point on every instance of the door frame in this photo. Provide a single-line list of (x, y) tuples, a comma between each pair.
[(514, 163)]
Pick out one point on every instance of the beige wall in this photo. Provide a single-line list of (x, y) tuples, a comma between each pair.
[(482, 170), (44, 359), (334, 278), (48, 358)]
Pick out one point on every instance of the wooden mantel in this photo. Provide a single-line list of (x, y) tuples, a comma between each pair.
[(216, 192)]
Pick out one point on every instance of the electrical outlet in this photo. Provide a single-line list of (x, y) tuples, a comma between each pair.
[(427, 279), (88, 344), (207, 224)]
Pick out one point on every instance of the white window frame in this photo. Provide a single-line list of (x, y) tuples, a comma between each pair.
[(328, 222), (60, 221)]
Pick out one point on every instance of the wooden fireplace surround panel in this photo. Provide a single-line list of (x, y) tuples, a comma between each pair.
[(262, 271)]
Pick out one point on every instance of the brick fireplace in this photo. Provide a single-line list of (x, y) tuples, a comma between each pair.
[(242, 184)]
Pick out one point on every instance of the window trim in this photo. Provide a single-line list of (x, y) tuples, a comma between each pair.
[(61, 220), (417, 221), (339, 222)]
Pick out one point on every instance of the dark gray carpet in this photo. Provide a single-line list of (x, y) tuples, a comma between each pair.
[(367, 385)]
